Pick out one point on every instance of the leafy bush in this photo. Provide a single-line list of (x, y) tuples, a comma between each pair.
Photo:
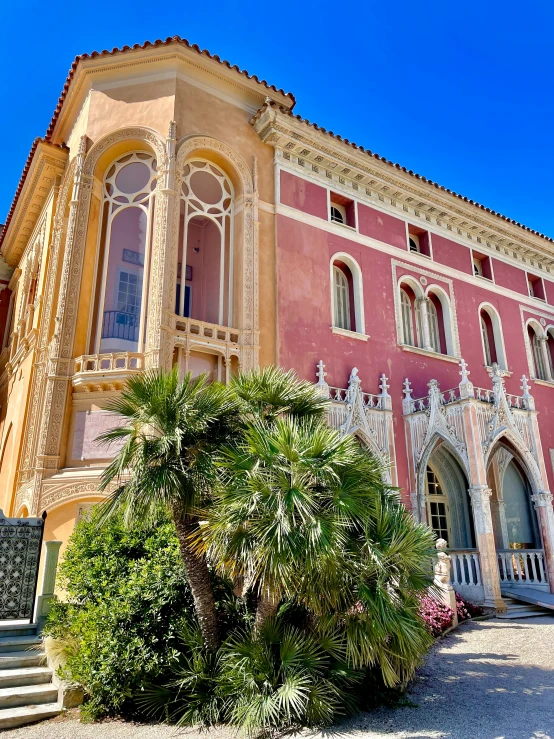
[(436, 615), (126, 596)]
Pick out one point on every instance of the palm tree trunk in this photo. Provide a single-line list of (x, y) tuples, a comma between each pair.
[(199, 579), (266, 608)]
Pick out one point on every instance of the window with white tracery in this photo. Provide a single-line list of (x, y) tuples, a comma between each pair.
[(342, 299), (126, 226), (205, 244)]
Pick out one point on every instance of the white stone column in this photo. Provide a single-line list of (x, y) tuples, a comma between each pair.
[(424, 323), (482, 520), (545, 352), (52, 553), (545, 516)]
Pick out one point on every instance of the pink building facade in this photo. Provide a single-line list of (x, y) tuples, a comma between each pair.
[(432, 333)]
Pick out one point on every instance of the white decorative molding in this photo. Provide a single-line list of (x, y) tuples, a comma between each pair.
[(367, 416)]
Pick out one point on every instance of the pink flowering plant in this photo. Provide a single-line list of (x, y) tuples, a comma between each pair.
[(436, 615), (466, 609)]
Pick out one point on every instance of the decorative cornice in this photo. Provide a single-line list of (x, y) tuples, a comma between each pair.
[(349, 169), (47, 163)]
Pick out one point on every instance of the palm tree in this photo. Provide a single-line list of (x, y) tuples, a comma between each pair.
[(170, 434), (302, 514)]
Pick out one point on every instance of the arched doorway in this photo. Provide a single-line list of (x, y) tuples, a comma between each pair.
[(447, 500), (516, 529)]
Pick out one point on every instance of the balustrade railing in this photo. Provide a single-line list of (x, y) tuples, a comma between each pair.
[(114, 362), (466, 568), (485, 395), (523, 566), (205, 330), (369, 400)]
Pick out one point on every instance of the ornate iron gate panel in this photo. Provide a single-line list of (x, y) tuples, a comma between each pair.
[(20, 546)]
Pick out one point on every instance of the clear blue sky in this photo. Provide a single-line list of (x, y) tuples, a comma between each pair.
[(461, 92)]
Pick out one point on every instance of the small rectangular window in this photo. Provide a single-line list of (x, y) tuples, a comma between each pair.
[(535, 286), (342, 210), (419, 240), (481, 265)]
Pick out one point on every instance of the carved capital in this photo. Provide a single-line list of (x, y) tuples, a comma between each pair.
[(542, 499)]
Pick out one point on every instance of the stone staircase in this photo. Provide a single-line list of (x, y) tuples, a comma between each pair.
[(517, 609), (27, 693)]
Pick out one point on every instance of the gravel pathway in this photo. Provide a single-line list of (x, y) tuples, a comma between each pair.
[(487, 680)]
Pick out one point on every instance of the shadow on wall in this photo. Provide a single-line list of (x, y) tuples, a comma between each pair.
[(502, 689)]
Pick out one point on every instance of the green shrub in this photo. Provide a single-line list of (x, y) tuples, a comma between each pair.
[(125, 599)]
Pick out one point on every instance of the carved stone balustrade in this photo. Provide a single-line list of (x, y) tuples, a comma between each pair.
[(189, 334), (94, 372)]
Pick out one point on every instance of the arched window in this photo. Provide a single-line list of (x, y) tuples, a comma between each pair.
[(127, 216), (342, 299), (347, 304), (539, 359), (407, 318), (491, 336), (205, 270)]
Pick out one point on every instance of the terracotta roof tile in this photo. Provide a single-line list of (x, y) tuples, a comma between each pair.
[(150, 45), (403, 169)]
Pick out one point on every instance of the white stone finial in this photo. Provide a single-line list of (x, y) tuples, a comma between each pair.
[(321, 374), (172, 130), (407, 400), (321, 384), (383, 385), (464, 372), (525, 386)]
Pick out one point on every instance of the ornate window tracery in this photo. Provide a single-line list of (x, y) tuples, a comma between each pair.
[(205, 252), (126, 228)]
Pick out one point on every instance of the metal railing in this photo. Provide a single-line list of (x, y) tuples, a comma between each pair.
[(523, 566), (119, 325)]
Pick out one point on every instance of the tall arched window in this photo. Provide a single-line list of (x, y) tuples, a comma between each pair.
[(342, 299), (127, 216), (491, 336), (205, 270), (407, 318)]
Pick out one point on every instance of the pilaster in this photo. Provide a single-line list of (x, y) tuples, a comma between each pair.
[(545, 516)]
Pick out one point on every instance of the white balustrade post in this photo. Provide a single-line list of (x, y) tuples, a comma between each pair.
[(442, 582), (52, 553)]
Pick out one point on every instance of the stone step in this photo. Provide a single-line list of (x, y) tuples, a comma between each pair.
[(10, 718), (527, 614), (25, 676), (28, 695), (15, 629), (18, 643), (13, 660)]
